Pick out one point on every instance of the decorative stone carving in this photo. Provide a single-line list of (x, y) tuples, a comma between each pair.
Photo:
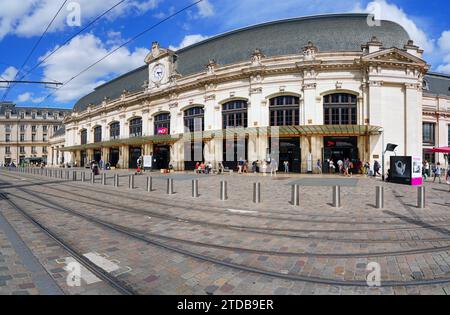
[(211, 67), (173, 105), (257, 90), (257, 57), (338, 85), (210, 97), (258, 78), (310, 51)]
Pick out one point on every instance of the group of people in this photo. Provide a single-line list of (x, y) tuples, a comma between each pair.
[(435, 170), (204, 168)]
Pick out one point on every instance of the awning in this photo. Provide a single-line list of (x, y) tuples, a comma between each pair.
[(445, 150), (282, 131)]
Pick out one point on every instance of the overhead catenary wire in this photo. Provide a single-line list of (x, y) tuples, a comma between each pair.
[(34, 47), (121, 46)]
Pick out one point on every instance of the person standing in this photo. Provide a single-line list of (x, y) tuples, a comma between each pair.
[(376, 169), (319, 166), (273, 167), (437, 173), (332, 167), (447, 178), (286, 166)]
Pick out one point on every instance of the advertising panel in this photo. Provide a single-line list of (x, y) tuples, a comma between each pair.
[(417, 179), (148, 161), (406, 170)]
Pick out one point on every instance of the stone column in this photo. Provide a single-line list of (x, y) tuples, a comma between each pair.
[(413, 120)]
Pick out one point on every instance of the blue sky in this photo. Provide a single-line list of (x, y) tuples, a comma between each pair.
[(22, 23)]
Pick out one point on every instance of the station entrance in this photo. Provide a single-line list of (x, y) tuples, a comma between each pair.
[(114, 156), (233, 152), (288, 150), (193, 154), (161, 157), (83, 158), (135, 154), (340, 148)]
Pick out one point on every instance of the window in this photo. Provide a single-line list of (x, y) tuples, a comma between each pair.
[(22, 115), (340, 109), (136, 127), (83, 136), (162, 124), (285, 111), (22, 150), (429, 134), (44, 128), (7, 115), (7, 150), (98, 134), (7, 138), (44, 137), (44, 116), (33, 150), (55, 116), (22, 128), (33, 137), (114, 130), (33, 115), (7, 128), (234, 114), (55, 128), (44, 150), (33, 128), (194, 119), (22, 137), (425, 85)]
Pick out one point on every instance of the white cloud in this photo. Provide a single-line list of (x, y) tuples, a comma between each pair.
[(8, 74), (189, 40), (444, 41), (28, 97), (80, 53), (28, 18), (205, 9)]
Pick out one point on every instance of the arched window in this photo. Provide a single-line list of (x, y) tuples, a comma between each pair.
[(285, 111), (114, 130), (136, 127), (340, 109), (98, 134), (425, 85), (83, 136), (162, 124), (234, 114), (194, 119)]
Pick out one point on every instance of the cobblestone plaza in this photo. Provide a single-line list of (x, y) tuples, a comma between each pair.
[(155, 243)]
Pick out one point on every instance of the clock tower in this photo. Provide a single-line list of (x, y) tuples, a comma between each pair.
[(161, 66)]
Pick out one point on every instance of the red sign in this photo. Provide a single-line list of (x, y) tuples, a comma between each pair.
[(163, 131)]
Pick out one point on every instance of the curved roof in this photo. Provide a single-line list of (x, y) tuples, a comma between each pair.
[(438, 84), (339, 32)]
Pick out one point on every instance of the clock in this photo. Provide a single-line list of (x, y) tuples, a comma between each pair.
[(158, 73)]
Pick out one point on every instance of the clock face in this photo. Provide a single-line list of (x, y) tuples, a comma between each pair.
[(158, 73)]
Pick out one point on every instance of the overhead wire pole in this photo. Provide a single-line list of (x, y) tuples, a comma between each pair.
[(123, 45), (35, 46)]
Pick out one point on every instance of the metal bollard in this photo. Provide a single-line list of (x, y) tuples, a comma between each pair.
[(92, 178), (195, 188), (170, 186), (61, 174), (379, 197), (83, 177), (67, 175), (223, 190), (116, 180), (149, 184), (46, 172), (295, 195), (421, 197), (257, 192), (74, 176), (104, 179), (131, 181), (337, 196)]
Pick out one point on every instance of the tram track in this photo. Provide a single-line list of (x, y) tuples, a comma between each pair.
[(236, 266), (256, 230), (118, 285)]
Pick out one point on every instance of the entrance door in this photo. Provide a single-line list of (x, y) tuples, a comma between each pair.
[(161, 157), (232, 157), (7, 161), (97, 155), (289, 151), (83, 158), (341, 148), (135, 154), (193, 153), (114, 157)]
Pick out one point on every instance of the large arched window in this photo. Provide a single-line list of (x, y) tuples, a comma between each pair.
[(114, 130), (136, 127), (194, 119), (234, 114), (162, 124), (83, 136), (285, 111), (340, 109), (98, 134)]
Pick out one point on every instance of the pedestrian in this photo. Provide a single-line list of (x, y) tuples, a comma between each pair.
[(196, 167), (437, 173), (319, 166), (376, 169), (427, 169), (286, 166), (240, 165), (264, 168), (332, 167), (340, 164), (273, 167), (447, 178)]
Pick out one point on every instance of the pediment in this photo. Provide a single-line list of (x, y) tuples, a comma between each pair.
[(157, 53), (393, 55)]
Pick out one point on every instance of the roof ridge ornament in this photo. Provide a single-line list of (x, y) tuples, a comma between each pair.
[(310, 51), (211, 66), (257, 57)]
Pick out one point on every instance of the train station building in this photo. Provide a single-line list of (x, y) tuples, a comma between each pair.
[(322, 87)]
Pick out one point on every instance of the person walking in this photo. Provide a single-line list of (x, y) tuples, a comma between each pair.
[(273, 167), (437, 173), (447, 178), (376, 169), (332, 167), (319, 166)]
